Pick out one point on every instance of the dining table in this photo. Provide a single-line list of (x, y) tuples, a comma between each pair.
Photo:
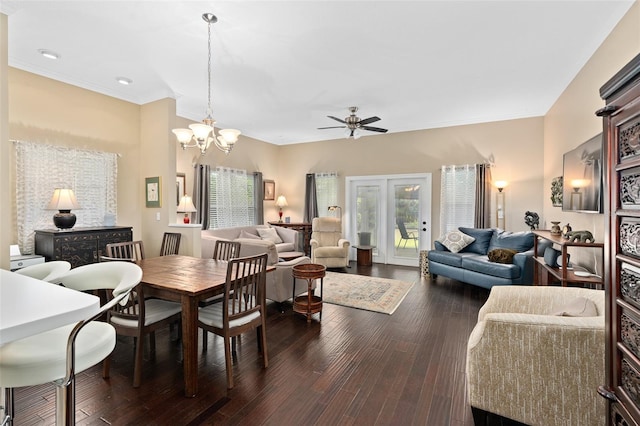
[(29, 306), (187, 280)]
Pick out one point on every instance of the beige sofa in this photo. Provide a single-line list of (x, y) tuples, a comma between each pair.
[(279, 286), (528, 365), (290, 237)]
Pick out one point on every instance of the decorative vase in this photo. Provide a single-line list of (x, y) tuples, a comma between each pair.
[(555, 228)]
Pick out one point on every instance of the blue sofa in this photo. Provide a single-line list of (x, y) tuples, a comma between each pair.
[(472, 265)]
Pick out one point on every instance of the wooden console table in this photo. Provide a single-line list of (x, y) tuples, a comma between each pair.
[(544, 274), (304, 228)]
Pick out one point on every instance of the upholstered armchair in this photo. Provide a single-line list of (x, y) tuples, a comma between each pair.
[(527, 363), (328, 248)]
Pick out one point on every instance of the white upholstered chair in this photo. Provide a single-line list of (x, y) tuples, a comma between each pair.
[(48, 271), (57, 355), (328, 248), (526, 364)]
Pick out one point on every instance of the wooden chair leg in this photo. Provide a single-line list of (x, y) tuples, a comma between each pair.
[(152, 345), (205, 340), (137, 364), (263, 333), (228, 363), (106, 366)]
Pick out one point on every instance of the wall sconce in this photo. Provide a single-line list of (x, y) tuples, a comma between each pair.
[(334, 208), (281, 202), (63, 200), (186, 206)]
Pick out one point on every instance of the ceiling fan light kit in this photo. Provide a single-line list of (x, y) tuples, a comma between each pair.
[(197, 135), (355, 124)]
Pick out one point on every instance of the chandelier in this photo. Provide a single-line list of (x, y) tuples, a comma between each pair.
[(201, 135)]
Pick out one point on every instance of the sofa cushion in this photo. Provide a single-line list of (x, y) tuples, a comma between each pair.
[(482, 265), (519, 241), (285, 247), (501, 255), (482, 236), (269, 234), (447, 258), (456, 240)]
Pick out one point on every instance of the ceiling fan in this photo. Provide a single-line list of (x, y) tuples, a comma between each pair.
[(355, 124)]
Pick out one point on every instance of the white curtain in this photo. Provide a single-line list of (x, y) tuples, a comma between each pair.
[(231, 198), (326, 191), (457, 197), (41, 168)]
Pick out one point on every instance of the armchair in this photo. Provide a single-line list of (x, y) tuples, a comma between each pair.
[(527, 364), (328, 248)]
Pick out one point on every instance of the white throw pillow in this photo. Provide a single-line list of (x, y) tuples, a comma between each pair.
[(269, 234), (245, 234), (455, 241)]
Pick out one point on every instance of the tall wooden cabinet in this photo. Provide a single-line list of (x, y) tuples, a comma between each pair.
[(79, 246), (622, 252)]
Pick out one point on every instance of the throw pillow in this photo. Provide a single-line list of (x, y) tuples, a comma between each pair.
[(482, 236), (578, 307), (502, 255), (269, 234), (456, 241), (245, 234)]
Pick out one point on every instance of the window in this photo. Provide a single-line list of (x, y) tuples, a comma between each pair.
[(326, 191), (457, 197), (231, 198)]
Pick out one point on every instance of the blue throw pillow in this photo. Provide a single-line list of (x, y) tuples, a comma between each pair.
[(519, 241), (482, 236)]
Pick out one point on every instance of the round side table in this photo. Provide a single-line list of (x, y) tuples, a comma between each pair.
[(308, 304)]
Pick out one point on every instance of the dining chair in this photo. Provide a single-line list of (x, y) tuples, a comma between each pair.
[(57, 355), (129, 250), (222, 250), (138, 318), (170, 243), (48, 271), (242, 309)]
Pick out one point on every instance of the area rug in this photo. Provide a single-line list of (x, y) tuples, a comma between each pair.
[(361, 292)]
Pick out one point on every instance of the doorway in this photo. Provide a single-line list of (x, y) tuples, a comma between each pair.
[(391, 213)]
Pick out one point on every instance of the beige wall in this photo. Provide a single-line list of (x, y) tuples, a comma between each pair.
[(571, 120)]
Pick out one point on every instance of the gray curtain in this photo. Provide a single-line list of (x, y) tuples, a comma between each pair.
[(482, 216), (258, 197), (310, 199), (200, 197)]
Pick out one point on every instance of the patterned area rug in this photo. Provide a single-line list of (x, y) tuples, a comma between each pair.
[(360, 292)]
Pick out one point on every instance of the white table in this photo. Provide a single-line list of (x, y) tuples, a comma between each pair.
[(29, 306)]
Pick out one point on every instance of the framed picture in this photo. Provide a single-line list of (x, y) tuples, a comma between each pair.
[(180, 187), (556, 191), (153, 191), (269, 190)]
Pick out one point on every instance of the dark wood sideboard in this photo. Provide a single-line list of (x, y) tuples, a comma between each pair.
[(79, 246), (621, 134)]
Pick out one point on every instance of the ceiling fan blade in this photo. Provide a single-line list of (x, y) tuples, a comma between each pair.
[(332, 127), (374, 129), (337, 119), (369, 120)]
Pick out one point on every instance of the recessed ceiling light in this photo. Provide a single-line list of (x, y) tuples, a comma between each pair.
[(49, 54), (124, 80)]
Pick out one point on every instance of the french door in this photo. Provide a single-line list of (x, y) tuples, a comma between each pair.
[(391, 213)]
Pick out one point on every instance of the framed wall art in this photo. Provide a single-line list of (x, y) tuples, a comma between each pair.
[(556, 191), (153, 191), (180, 187), (269, 190)]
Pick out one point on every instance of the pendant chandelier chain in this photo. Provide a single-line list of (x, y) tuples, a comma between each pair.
[(209, 111)]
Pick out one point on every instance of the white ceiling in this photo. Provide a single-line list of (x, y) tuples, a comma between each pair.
[(280, 67)]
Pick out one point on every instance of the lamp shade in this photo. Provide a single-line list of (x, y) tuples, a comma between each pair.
[(281, 201), (63, 199), (186, 205)]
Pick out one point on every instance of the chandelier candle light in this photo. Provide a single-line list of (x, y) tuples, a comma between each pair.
[(63, 200), (281, 202), (186, 206), (197, 135)]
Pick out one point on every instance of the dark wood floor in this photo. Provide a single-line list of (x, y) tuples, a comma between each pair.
[(352, 367)]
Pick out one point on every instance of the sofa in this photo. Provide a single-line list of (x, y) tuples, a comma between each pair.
[(279, 285), (485, 257), (537, 356)]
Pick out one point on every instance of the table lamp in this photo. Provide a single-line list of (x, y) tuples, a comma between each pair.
[(63, 200), (186, 206), (281, 202)]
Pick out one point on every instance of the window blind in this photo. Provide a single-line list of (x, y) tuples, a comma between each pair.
[(457, 197)]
